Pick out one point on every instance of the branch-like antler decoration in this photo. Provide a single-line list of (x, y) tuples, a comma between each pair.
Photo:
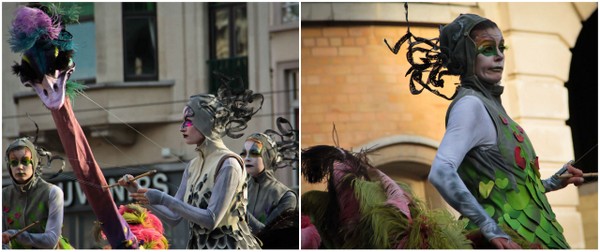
[(287, 144), (42, 152), (432, 60), (238, 106)]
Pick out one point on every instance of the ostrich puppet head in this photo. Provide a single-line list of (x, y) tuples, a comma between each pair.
[(38, 32)]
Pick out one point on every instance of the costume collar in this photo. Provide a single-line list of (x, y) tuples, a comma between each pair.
[(209, 146), (264, 176), (491, 91)]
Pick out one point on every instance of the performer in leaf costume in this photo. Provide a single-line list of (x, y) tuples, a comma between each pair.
[(29, 199), (486, 167)]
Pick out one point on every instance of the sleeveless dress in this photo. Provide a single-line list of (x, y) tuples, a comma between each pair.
[(21, 208), (505, 180), (232, 232)]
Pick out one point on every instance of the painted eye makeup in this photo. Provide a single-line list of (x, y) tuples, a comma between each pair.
[(186, 123), (24, 161), (488, 48), (187, 112), (253, 153)]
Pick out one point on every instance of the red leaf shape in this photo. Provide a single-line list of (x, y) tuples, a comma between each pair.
[(518, 136), (504, 120), (520, 160), (5, 209), (536, 163), (520, 129), (9, 220), (17, 215)]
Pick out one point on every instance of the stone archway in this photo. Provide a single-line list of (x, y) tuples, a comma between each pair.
[(408, 159), (583, 95), (583, 120)]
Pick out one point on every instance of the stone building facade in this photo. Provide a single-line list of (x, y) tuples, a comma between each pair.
[(350, 78), (132, 110)]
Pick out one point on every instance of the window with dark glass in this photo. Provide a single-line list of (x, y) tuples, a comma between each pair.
[(140, 42), (285, 16), (228, 43), (289, 12), (84, 38)]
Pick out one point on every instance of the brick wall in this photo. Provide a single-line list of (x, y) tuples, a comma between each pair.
[(351, 78)]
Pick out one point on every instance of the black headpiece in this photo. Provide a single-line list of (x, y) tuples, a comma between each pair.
[(450, 54)]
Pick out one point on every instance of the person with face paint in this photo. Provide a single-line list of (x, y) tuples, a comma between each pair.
[(486, 167), (267, 197), (212, 195), (30, 199)]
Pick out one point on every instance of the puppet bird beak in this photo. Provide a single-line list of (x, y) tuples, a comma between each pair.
[(52, 89)]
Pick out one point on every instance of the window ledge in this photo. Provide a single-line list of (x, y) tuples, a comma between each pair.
[(284, 27), (129, 84)]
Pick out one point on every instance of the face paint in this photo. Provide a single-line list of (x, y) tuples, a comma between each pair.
[(255, 150), (21, 165), (253, 158), (488, 48), (187, 122), (487, 40), (188, 112), (25, 161), (191, 135), (489, 63)]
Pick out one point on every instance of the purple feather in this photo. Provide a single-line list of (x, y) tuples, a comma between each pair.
[(30, 25), (395, 195)]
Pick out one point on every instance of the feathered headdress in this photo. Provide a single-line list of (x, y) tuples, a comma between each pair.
[(41, 158)]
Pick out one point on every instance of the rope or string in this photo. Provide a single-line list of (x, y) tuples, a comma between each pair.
[(120, 120)]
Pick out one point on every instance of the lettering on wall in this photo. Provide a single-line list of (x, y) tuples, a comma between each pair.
[(74, 195)]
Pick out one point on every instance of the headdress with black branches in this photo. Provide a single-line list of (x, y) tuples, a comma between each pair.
[(44, 157), (240, 105), (287, 144), (431, 62)]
